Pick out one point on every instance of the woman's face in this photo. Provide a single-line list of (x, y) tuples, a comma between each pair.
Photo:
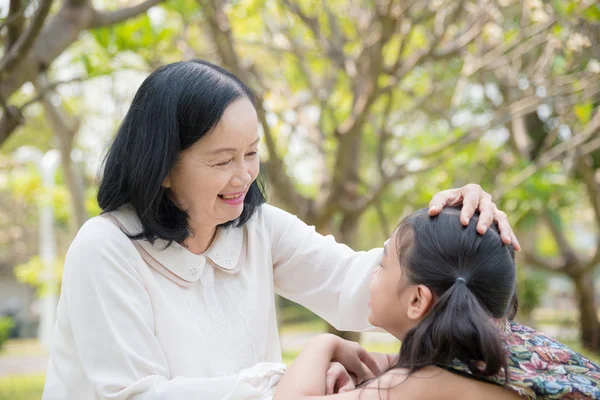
[(391, 293), (212, 177)]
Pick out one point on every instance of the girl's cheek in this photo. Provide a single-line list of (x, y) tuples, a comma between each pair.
[(375, 272)]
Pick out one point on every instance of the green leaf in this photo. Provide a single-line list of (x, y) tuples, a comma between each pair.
[(584, 112), (592, 14)]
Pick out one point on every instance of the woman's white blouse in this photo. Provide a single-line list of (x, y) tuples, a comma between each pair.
[(141, 321)]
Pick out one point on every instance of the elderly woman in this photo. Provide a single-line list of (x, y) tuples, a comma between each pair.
[(169, 294)]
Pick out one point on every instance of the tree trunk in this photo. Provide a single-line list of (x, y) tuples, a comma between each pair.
[(75, 185), (347, 234), (65, 128), (590, 327)]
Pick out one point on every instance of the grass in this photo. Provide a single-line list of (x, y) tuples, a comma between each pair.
[(21, 387), (387, 348), (315, 325)]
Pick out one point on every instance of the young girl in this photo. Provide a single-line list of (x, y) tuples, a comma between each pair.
[(446, 292)]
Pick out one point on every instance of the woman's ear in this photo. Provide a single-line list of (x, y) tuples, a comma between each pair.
[(420, 303)]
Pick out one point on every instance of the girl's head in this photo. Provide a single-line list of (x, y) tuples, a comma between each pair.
[(438, 288)]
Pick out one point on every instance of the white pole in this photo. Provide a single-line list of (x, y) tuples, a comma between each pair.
[(47, 165)]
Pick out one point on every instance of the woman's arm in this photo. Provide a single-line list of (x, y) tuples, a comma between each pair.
[(331, 279)]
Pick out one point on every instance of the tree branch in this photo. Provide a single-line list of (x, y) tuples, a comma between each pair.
[(15, 21), (591, 185), (65, 129), (593, 190), (519, 137), (541, 263), (219, 29), (589, 147), (552, 154), (106, 18), (333, 50), (25, 41), (461, 42), (11, 119), (502, 49), (401, 171), (383, 220), (42, 91), (384, 135)]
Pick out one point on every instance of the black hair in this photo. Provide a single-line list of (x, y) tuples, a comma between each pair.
[(174, 107), (472, 278)]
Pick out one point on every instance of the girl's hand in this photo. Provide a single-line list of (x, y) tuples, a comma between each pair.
[(338, 379), (354, 358)]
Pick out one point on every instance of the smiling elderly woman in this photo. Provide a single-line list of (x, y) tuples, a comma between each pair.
[(169, 294)]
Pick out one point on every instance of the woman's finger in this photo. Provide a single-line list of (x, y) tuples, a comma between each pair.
[(515, 241), (442, 199), (503, 226), (472, 195), (486, 214)]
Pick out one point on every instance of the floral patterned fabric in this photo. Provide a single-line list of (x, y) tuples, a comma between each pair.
[(542, 368)]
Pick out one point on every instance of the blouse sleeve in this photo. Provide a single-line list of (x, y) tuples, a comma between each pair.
[(327, 277), (112, 325)]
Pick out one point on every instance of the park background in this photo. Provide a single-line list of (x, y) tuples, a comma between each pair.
[(367, 108)]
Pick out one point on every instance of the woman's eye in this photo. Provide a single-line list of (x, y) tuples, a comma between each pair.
[(224, 163), (252, 154)]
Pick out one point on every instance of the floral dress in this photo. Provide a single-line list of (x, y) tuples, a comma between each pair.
[(542, 368)]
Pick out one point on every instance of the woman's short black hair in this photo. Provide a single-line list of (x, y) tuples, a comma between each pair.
[(174, 107)]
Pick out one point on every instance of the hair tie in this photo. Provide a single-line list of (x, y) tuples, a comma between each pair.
[(460, 279)]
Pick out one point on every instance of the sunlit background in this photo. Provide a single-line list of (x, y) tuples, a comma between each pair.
[(367, 108)]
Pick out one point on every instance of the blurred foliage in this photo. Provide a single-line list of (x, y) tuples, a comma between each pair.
[(531, 287), (6, 325), (22, 387), (311, 76), (33, 273)]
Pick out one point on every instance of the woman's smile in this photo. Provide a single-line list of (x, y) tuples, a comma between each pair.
[(233, 198)]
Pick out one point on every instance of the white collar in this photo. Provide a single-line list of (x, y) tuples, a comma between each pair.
[(223, 253)]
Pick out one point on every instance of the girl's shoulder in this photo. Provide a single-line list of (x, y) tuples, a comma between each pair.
[(540, 366)]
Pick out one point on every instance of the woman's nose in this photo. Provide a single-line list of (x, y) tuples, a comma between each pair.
[(242, 175)]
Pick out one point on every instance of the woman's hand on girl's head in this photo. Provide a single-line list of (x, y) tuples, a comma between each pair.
[(473, 198)]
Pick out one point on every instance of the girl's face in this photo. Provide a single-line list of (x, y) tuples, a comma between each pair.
[(396, 304), (212, 177)]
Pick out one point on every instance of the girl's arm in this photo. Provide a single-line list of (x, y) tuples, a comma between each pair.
[(307, 376), (305, 380)]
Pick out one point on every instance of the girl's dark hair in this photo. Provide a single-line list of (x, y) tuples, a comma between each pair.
[(472, 277), (174, 107)]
